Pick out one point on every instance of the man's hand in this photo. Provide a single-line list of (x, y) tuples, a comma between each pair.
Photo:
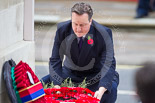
[(99, 93)]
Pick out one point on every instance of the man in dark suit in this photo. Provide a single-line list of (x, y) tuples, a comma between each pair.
[(84, 48)]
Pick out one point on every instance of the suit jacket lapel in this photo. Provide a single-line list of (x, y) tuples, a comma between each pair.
[(86, 48), (72, 46), (73, 49)]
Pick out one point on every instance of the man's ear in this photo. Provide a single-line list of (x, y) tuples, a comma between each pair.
[(90, 20)]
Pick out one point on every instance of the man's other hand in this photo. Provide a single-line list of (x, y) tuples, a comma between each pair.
[(99, 93)]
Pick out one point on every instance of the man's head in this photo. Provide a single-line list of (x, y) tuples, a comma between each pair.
[(81, 18), (145, 83)]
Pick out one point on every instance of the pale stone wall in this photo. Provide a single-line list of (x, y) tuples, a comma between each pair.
[(12, 44), (11, 25)]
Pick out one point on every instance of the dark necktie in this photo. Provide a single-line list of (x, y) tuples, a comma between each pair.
[(80, 43)]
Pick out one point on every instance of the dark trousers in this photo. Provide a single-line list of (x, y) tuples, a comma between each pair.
[(108, 97), (144, 6)]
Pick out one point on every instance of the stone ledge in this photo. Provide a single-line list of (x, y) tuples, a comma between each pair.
[(125, 22)]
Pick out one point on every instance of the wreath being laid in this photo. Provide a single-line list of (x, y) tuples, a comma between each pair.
[(29, 89), (68, 93)]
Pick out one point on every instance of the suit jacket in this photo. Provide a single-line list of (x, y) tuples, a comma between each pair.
[(95, 61)]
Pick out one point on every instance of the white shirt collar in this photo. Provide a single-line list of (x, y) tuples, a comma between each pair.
[(78, 38)]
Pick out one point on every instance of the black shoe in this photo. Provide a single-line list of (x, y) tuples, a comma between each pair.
[(150, 10), (141, 16)]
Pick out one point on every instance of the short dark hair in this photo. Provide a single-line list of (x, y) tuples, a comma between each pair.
[(145, 82), (81, 8)]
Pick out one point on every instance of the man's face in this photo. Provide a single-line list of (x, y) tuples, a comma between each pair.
[(80, 24)]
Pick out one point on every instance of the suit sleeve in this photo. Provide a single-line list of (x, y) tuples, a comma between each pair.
[(55, 63), (108, 65)]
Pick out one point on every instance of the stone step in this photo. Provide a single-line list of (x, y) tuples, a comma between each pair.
[(117, 21)]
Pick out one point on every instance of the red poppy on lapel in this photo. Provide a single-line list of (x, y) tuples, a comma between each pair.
[(90, 41)]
